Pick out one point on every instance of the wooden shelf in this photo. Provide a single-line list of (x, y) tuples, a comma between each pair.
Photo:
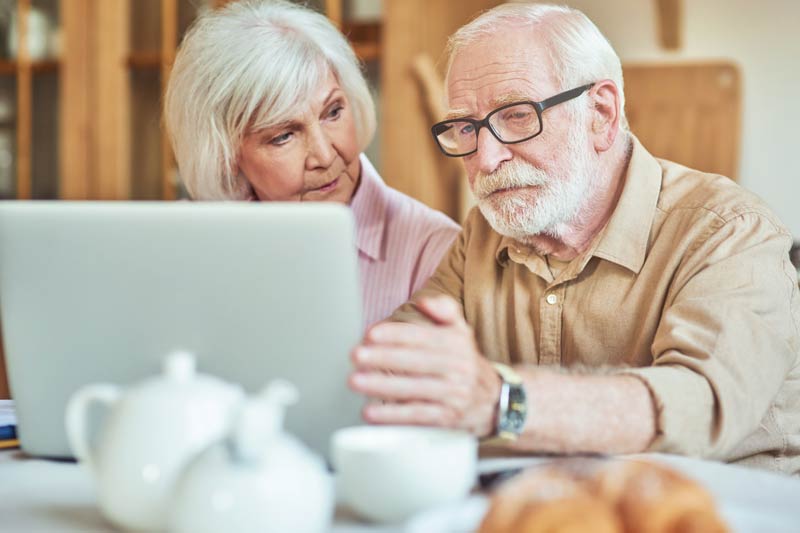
[(365, 37), (145, 60), (8, 67), (367, 51)]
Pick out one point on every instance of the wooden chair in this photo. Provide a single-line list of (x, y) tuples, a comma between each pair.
[(452, 175)]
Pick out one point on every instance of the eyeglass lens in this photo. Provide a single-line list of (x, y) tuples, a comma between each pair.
[(509, 124)]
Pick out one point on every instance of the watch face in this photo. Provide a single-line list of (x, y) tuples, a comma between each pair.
[(514, 418)]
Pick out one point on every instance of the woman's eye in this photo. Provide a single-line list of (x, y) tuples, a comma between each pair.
[(281, 139), (335, 112)]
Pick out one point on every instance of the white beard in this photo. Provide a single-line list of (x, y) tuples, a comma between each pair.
[(553, 204)]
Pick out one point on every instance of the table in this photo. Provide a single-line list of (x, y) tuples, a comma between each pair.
[(41, 495)]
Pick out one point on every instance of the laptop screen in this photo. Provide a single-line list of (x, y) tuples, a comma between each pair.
[(102, 292)]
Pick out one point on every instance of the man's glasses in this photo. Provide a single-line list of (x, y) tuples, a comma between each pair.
[(510, 124)]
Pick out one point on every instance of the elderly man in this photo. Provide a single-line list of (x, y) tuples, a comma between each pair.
[(600, 299)]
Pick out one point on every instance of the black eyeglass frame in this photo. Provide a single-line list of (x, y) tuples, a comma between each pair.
[(438, 128)]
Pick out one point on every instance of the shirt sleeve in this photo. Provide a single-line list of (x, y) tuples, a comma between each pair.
[(432, 254), (727, 338)]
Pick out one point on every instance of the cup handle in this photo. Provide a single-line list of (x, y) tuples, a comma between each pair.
[(76, 416)]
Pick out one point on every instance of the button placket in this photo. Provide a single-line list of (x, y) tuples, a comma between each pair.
[(551, 310)]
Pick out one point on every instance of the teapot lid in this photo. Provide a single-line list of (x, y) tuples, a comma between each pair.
[(180, 365), (261, 420), (180, 384)]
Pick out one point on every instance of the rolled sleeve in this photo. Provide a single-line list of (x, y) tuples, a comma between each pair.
[(726, 341), (684, 402)]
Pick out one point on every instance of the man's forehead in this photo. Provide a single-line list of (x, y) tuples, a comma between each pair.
[(497, 70), (490, 89), (468, 106)]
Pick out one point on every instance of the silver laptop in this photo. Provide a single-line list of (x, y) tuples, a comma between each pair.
[(101, 292)]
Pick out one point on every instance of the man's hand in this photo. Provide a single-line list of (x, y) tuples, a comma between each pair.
[(430, 375)]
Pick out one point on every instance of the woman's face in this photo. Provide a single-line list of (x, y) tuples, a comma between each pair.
[(311, 157)]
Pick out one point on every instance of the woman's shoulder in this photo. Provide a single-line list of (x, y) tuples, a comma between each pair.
[(407, 211)]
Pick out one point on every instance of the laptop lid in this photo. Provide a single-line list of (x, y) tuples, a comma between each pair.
[(101, 292)]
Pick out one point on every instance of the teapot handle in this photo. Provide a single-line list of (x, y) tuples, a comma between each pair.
[(76, 416)]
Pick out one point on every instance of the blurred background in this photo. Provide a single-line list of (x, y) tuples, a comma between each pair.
[(709, 83)]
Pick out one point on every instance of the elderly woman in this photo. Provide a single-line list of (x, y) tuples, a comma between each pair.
[(267, 102)]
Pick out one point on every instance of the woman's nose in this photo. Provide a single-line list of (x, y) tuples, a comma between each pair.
[(321, 150)]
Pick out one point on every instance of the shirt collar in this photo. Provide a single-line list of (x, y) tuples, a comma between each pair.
[(369, 210), (626, 235)]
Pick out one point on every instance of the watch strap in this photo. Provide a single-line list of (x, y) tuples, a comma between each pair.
[(510, 380)]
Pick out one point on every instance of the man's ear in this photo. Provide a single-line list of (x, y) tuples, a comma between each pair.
[(605, 113)]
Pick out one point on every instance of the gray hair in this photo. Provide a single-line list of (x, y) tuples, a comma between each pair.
[(248, 66), (579, 53)]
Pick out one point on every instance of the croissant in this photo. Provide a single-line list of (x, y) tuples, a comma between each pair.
[(614, 496)]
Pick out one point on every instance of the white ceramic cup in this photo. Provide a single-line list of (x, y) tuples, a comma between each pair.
[(388, 473)]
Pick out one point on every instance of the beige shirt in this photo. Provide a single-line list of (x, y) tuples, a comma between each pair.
[(689, 287)]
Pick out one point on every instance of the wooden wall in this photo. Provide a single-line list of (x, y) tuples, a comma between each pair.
[(410, 160)]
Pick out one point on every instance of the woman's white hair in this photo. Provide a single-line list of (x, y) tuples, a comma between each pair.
[(248, 66), (579, 53)]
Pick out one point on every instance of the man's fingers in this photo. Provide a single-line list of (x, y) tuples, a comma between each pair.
[(412, 414), (403, 360), (408, 335), (390, 387), (442, 310)]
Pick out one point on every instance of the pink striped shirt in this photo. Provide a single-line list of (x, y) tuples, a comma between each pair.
[(400, 243)]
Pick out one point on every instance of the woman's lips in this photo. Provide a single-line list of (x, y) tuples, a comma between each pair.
[(327, 187)]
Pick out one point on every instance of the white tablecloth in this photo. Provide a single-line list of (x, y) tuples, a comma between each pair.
[(40, 495)]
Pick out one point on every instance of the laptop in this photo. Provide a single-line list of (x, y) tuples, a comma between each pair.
[(102, 291)]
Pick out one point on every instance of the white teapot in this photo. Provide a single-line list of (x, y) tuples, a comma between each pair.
[(260, 479), (152, 430)]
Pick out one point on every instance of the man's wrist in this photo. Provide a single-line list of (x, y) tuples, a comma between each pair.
[(496, 387)]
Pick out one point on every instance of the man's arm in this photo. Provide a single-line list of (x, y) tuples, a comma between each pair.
[(434, 374), (586, 413)]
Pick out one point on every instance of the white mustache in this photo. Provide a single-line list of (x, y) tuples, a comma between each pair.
[(511, 175)]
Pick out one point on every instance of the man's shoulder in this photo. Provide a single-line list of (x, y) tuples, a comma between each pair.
[(690, 192)]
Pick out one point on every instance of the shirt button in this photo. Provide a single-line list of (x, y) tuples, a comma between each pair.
[(551, 299)]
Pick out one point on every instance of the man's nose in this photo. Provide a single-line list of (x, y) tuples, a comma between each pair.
[(321, 151), (491, 152)]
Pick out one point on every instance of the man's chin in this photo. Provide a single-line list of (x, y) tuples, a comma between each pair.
[(509, 223)]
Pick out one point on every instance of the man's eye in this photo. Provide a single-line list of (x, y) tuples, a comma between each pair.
[(282, 138), (517, 115), (466, 129)]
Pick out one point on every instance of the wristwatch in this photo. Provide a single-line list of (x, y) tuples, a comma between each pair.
[(512, 407)]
